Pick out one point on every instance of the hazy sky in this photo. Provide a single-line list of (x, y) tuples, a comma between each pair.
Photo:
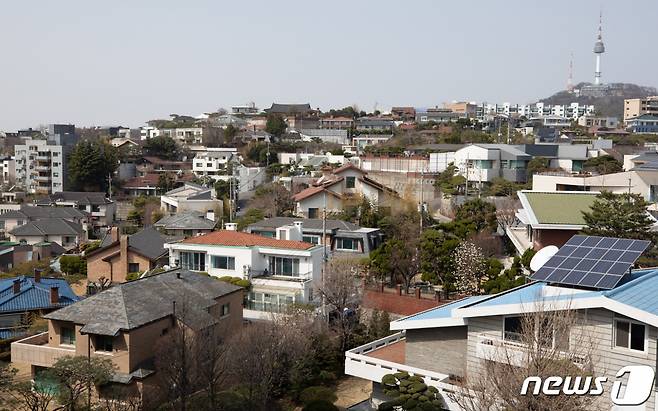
[(125, 62)]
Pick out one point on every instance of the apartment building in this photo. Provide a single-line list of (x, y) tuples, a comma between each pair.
[(40, 166), (125, 323), (572, 111), (282, 270), (644, 123), (8, 170), (635, 107), (615, 325)]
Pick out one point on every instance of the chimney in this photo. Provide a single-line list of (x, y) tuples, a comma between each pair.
[(17, 286), (231, 226), (54, 295), (114, 233), (210, 215), (37, 275)]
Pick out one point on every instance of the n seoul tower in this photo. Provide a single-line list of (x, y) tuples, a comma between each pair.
[(599, 49)]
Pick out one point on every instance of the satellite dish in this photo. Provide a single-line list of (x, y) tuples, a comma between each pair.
[(542, 257)]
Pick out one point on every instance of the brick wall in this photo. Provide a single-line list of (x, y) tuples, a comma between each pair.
[(397, 304)]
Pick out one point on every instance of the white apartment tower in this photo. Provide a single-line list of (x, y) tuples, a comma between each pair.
[(39, 166)]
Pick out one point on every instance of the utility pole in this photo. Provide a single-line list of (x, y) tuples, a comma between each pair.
[(422, 208), (109, 184), (324, 254)]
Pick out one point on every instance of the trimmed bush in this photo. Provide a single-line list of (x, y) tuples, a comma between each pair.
[(317, 393), (320, 405)]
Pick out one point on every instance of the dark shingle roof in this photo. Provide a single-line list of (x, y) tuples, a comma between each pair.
[(148, 242), (28, 212), (289, 108), (133, 304), (48, 226), (186, 220), (34, 295)]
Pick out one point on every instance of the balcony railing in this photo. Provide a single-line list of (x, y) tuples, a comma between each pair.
[(514, 352), (266, 274), (35, 350)]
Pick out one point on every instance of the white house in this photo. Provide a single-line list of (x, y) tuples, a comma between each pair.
[(282, 270), (190, 197), (335, 188), (484, 162), (213, 161)]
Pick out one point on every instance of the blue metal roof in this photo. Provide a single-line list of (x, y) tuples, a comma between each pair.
[(639, 293), (34, 295), (444, 311)]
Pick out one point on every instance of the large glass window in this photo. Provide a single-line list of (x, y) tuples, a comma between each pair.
[(67, 335), (223, 263), (193, 261), (512, 328), (351, 244), (284, 266), (270, 302), (629, 335), (104, 343), (313, 239)]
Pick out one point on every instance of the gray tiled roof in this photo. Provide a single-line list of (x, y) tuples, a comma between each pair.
[(186, 220), (28, 212), (131, 305), (48, 226), (148, 242), (80, 197), (308, 223)]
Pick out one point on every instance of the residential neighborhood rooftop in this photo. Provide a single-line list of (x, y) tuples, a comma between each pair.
[(133, 304), (238, 239)]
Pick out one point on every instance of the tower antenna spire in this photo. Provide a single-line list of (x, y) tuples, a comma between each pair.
[(599, 49), (570, 78)]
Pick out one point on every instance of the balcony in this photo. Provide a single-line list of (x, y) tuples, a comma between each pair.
[(42, 168), (268, 275), (514, 353), (42, 178), (42, 158), (385, 356), (35, 351)]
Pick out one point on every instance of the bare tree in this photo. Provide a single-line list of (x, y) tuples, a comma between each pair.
[(546, 342), (175, 358), (120, 399), (263, 354), (212, 361), (506, 209), (341, 289), (26, 397)]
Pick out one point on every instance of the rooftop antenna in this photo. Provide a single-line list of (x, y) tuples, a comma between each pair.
[(570, 78)]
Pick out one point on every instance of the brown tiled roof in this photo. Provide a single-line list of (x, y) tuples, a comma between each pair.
[(348, 166), (311, 191), (239, 239)]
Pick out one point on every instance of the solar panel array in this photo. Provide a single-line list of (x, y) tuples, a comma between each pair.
[(591, 261)]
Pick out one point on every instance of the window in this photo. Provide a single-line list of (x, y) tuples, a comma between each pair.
[(193, 261), (350, 182), (133, 267), (20, 222), (226, 309), (67, 336), (629, 335), (313, 239), (512, 329), (222, 262), (347, 244), (312, 213), (284, 266), (103, 343)]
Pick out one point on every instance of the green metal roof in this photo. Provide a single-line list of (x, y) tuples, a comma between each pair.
[(560, 208)]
